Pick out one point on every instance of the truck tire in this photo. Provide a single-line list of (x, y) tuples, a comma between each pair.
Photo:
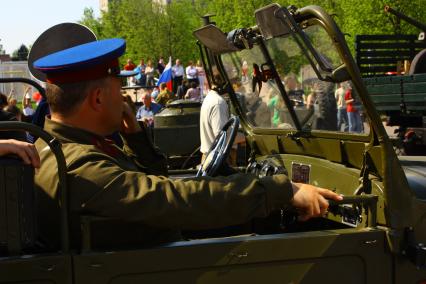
[(418, 65), (326, 116)]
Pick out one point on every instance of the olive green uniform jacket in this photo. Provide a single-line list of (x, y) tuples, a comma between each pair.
[(129, 186), (164, 97)]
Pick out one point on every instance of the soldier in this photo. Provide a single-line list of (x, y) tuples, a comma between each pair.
[(130, 185)]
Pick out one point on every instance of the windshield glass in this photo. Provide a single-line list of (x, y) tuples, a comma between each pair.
[(318, 105)]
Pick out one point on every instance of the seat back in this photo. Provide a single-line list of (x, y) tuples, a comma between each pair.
[(17, 207)]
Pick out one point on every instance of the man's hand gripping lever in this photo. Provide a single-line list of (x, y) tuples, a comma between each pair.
[(308, 201)]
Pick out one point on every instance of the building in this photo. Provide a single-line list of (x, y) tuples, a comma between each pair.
[(103, 5), (5, 57), (13, 69)]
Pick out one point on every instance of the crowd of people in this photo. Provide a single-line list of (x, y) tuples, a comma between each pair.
[(148, 74), (188, 83), (334, 108), (22, 112), (15, 142), (344, 107)]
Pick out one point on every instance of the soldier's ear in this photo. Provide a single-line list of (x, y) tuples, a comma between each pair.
[(95, 99)]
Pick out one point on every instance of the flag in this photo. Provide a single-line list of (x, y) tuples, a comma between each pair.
[(166, 76)]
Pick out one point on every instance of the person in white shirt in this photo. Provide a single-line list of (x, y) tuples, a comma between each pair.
[(342, 116), (27, 108), (177, 75), (27, 94), (192, 73), (213, 116)]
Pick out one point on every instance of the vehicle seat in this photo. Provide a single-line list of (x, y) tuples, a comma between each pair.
[(17, 207), (414, 171)]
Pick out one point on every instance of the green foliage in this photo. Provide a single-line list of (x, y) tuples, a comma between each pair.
[(181, 20), (234, 14), (91, 22), (152, 29)]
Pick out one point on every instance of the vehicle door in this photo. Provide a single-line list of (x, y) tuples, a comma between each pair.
[(325, 256)]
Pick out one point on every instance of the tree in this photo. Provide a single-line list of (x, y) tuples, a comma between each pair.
[(152, 29), (91, 22), (182, 21), (368, 17), (21, 54), (2, 51)]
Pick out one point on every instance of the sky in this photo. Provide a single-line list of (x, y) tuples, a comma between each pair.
[(21, 22)]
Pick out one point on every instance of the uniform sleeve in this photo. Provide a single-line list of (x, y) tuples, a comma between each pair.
[(218, 117), (198, 203), (140, 147)]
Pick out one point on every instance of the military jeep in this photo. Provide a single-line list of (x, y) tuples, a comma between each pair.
[(374, 235)]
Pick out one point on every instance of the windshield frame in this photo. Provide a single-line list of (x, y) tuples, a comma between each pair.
[(264, 58), (375, 150)]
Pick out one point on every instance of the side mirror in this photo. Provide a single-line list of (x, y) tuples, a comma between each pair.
[(214, 39), (269, 25)]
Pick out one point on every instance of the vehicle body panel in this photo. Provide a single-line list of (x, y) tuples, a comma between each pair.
[(348, 254), (36, 269)]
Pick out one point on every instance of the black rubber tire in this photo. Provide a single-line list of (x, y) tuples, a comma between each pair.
[(326, 118), (418, 65)]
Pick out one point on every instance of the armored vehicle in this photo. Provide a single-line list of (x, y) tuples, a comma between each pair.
[(177, 133), (374, 235), (175, 129)]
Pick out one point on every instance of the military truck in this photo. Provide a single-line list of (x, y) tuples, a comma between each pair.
[(394, 71), (374, 235), (402, 101)]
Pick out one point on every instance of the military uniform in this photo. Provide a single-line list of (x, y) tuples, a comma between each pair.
[(164, 97), (130, 186)]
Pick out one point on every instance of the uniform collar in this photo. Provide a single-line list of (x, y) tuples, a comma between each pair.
[(71, 134), (67, 133)]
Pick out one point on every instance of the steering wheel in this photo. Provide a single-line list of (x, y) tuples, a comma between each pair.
[(220, 148)]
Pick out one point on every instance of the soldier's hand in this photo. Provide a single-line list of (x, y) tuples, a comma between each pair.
[(129, 123), (310, 201), (26, 151)]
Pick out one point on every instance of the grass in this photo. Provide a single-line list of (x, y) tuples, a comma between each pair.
[(20, 106)]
